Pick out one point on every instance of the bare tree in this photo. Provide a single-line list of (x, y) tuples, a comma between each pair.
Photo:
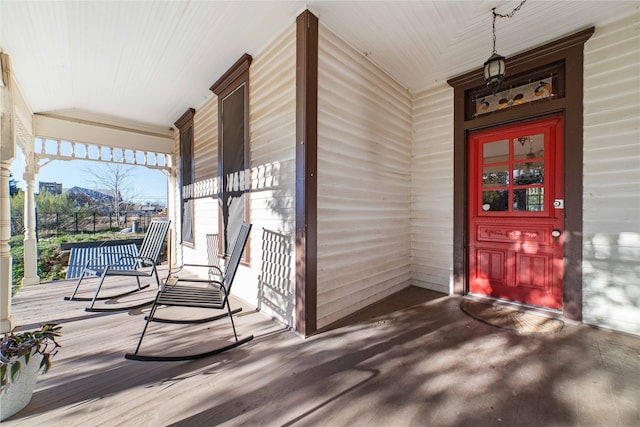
[(117, 180)]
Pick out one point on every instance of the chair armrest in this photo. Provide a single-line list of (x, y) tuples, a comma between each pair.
[(108, 252), (90, 262), (114, 253), (173, 281), (142, 259), (209, 266), (209, 280)]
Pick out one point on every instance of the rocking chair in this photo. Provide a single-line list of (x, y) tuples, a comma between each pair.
[(119, 263), (198, 293)]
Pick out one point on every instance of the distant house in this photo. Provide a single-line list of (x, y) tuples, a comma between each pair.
[(141, 210), (95, 199), (150, 209), (50, 187)]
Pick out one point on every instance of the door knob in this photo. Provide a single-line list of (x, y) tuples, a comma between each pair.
[(555, 233)]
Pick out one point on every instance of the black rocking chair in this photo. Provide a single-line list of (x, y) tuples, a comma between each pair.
[(198, 293), (118, 263)]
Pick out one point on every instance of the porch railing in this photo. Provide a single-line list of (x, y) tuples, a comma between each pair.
[(55, 224)]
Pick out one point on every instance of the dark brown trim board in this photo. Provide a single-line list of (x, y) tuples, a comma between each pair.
[(306, 172), (568, 52), (185, 118), (237, 70)]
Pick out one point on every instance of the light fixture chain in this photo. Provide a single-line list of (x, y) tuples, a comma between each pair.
[(494, 29), (509, 15), (500, 15), (494, 67)]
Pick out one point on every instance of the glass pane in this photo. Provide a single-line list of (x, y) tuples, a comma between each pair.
[(495, 152), (528, 200), (495, 176), (528, 173), (495, 201), (528, 147), (511, 97)]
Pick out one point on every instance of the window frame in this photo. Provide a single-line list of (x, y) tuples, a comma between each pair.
[(186, 175), (230, 81)]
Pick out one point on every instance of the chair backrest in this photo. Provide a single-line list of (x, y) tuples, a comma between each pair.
[(102, 256), (213, 257), (236, 254), (154, 239)]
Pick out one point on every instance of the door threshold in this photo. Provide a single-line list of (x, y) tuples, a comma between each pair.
[(498, 302)]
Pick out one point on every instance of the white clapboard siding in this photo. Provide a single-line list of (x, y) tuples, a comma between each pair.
[(432, 189), (205, 222), (611, 254), (205, 140), (364, 181), (272, 86)]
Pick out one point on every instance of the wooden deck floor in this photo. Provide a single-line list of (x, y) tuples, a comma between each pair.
[(415, 359)]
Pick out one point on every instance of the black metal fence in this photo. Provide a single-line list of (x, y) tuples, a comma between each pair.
[(56, 224)]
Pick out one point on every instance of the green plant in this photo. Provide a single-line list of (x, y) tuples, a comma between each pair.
[(16, 347), (49, 266), (17, 207)]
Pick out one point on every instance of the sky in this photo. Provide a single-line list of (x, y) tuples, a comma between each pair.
[(150, 185)]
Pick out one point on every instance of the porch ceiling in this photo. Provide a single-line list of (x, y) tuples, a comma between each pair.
[(150, 61)]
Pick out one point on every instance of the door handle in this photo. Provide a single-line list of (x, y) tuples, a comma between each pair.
[(555, 233)]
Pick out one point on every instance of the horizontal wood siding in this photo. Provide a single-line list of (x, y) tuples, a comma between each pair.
[(432, 189), (364, 181), (205, 140), (611, 255), (272, 81)]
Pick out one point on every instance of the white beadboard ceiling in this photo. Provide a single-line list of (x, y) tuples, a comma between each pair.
[(150, 61)]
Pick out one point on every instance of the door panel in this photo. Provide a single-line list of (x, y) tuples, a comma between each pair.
[(515, 230)]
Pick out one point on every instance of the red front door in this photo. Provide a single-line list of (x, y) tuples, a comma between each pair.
[(516, 212)]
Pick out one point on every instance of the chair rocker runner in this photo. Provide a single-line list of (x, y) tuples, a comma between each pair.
[(198, 293), (118, 263)]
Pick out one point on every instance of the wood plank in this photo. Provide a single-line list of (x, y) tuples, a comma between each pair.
[(412, 359)]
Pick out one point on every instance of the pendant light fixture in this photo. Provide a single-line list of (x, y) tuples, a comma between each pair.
[(494, 67)]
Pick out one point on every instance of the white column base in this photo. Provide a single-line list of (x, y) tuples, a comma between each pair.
[(7, 321), (34, 280), (7, 325), (30, 262)]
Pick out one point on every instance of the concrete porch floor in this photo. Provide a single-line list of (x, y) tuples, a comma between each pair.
[(413, 360)]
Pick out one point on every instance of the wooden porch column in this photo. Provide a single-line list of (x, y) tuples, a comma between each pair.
[(173, 212), (7, 153), (6, 320), (306, 172), (30, 243)]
